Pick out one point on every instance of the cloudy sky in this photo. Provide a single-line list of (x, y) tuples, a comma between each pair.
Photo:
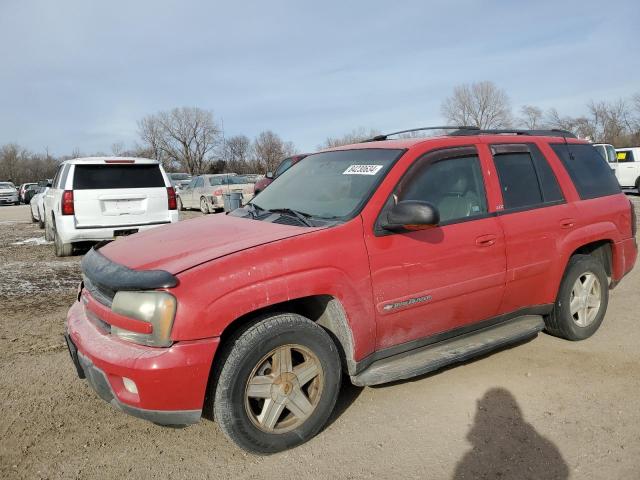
[(79, 74)]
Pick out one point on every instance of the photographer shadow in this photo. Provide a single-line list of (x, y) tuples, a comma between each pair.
[(505, 446)]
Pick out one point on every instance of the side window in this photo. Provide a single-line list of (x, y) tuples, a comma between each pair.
[(199, 182), (591, 174), (551, 191), (454, 185), (192, 183), (526, 179), (65, 174), (283, 167), (611, 154), (56, 177), (625, 156)]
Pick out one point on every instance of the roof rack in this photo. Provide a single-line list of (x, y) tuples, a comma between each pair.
[(458, 128), (554, 132)]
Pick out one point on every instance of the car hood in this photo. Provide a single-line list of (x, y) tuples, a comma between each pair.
[(8, 190), (183, 245)]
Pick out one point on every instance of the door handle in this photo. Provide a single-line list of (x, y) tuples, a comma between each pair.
[(486, 240), (567, 222)]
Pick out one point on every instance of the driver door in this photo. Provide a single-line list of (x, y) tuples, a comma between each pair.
[(186, 195), (445, 278)]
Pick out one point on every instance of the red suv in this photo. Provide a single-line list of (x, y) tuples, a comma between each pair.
[(284, 165), (379, 261)]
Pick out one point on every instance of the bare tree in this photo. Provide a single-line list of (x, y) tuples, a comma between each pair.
[(531, 117), (187, 136), (480, 104), (269, 149), (237, 153), (355, 136)]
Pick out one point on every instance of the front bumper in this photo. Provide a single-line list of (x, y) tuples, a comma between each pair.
[(171, 382), (12, 199)]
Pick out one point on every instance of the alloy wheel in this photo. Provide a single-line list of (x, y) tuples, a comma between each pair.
[(586, 297), (284, 389)]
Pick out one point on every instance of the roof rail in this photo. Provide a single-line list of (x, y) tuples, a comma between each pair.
[(458, 128), (554, 132)]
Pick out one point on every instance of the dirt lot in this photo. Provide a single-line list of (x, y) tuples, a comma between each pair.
[(545, 409)]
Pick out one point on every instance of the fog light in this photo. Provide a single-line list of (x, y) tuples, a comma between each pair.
[(130, 385)]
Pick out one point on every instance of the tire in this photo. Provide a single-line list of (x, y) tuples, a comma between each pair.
[(33, 219), (48, 230), (638, 184), (204, 208), (62, 249), (589, 316), (180, 206), (247, 355)]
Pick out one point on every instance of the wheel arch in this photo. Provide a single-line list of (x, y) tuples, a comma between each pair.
[(324, 310)]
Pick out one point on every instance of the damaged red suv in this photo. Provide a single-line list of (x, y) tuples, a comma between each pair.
[(377, 261)]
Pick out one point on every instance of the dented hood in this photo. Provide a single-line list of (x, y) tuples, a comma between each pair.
[(183, 245)]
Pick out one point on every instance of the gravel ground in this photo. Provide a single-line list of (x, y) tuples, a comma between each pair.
[(545, 409)]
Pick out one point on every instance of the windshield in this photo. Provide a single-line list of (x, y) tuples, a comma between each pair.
[(179, 176), (231, 180), (330, 184)]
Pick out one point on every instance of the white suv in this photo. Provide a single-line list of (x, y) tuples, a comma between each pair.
[(100, 198)]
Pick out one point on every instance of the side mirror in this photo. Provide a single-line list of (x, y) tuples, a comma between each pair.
[(269, 175), (49, 184), (410, 215)]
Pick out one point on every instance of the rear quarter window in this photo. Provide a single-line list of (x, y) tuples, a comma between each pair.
[(102, 177), (591, 174)]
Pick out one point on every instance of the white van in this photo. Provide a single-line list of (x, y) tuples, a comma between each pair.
[(627, 167), (100, 198)]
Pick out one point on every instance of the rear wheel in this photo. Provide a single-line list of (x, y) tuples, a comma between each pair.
[(582, 300), (33, 219), (277, 384), (204, 208), (48, 231), (62, 249)]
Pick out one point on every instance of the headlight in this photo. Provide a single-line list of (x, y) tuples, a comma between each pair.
[(156, 308)]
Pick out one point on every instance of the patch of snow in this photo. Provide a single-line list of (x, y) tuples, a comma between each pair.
[(33, 241)]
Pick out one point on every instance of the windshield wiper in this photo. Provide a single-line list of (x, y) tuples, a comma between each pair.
[(255, 209), (302, 216)]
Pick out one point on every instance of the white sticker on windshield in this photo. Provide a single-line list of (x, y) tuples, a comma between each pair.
[(362, 170)]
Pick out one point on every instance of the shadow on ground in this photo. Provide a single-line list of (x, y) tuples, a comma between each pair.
[(505, 446)]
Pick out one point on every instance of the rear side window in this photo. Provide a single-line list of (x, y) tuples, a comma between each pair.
[(99, 177), (590, 173), (526, 179), (625, 156)]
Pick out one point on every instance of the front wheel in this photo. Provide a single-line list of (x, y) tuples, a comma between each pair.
[(277, 384), (582, 300), (204, 208), (179, 204)]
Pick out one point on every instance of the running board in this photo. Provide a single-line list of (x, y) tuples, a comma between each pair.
[(458, 349)]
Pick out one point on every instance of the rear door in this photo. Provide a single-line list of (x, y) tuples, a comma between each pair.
[(628, 168), (535, 218), (119, 194)]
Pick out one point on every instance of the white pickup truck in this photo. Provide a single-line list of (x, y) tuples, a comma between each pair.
[(100, 198)]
